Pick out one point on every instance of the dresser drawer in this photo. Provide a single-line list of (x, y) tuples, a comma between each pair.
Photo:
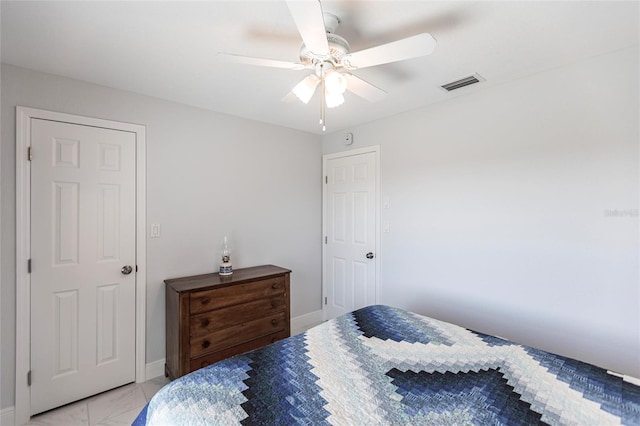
[(207, 322), (208, 359), (237, 334), (203, 301)]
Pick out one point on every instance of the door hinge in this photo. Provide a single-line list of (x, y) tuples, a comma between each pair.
[(136, 268), (326, 179), (325, 239), (30, 153), (325, 300), (29, 378), (29, 266)]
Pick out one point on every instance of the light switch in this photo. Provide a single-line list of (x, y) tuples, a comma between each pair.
[(155, 230)]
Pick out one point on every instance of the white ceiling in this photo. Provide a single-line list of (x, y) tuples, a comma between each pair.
[(168, 49)]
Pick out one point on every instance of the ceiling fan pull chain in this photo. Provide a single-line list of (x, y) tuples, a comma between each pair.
[(323, 102)]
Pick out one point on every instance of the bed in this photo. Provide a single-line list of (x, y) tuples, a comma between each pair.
[(385, 366)]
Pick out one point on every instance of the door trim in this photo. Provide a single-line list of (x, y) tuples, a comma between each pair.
[(325, 158), (23, 244)]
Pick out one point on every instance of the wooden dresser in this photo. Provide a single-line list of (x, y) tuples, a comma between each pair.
[(211, 317)]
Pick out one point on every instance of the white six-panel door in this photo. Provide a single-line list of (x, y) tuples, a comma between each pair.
[(83, 232), (350, 259)]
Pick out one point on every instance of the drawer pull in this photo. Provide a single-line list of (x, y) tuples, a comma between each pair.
[(274, 303), (275, 286), (274, 321), (206, 344), (205, 300), (205, 322)]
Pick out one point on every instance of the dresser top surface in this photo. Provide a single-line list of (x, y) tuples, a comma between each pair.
[(239, 276)]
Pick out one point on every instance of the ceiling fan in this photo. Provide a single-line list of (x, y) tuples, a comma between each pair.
[(330, 58)]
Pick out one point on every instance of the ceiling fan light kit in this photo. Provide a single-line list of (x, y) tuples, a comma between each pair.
[(305, 89), (335, 82), (329, 55)]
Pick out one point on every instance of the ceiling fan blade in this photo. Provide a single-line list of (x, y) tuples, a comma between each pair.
[(406, 48), (364, 89), (248, 60), (307, 14)]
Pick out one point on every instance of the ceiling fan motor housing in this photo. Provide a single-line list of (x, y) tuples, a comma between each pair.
[(338, 46)]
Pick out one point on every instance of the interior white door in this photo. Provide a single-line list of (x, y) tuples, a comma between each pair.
[(83, 227), (350, 271)]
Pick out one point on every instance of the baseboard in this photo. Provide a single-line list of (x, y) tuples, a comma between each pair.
[(7, 416), (304, 322), (154, 369)]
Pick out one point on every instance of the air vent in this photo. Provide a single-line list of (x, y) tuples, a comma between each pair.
[(472, 79)]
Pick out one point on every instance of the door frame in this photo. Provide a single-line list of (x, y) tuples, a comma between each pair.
[(23, 244), (342, 154)]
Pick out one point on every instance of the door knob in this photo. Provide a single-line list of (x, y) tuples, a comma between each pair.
[(126, 269), (369, 255)]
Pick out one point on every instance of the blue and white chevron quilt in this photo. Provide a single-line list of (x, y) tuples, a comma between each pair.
[(385, 366)]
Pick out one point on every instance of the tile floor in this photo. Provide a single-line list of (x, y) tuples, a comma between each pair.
[(119, 406)]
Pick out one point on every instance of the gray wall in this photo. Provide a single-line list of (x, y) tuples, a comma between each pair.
[(208, 175), (514, 210)]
